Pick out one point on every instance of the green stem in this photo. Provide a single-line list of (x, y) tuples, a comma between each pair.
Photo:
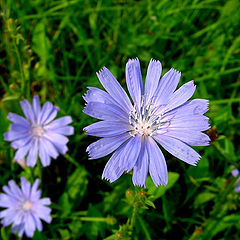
[(133, 218), (72, 160), (222, 101), (93, 219), (86, 219), (23, 87)]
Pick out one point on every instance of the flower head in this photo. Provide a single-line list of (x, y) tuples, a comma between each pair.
[(159, 114), (38, 134), (25, 209), (235, 174)]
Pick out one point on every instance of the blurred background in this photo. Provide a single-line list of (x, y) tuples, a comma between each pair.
[(54, 48)]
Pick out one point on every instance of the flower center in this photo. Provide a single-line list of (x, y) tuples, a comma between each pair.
[(144, 121), (38, 131), (27, 205)]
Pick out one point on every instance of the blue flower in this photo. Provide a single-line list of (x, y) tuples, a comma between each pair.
[(38, 134), (159, 114), (235, 174), (25, 209)]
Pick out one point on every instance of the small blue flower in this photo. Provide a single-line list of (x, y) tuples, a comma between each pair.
[(25, 209), (38, 134), (159, 113), (235, 173)]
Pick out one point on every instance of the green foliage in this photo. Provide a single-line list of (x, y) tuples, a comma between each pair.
[(157, 192), (54, 48)]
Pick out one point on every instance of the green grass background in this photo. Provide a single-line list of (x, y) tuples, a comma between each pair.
[(53, 49)]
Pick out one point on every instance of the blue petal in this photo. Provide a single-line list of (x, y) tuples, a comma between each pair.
[(13, 135), (62, 148), (140, 169), (112, 170), (6, 201), (153, 75), (13, 190), (105, 146), (97, 95), (60, 122), (18, 218), (43, 213), (51, 115), (113, 87), (46, 110), (105, 112), (21, 142), (57, 141), (191, 137), (44, 157), (67, 130), (195, 107), (134, 80), (107, 128), (33, 154), (157, 163), (18, 229), (178, 149), (237, 188), (49, 147), (22, 152), (15, 118), (26, 187), (29, 225), (38, 223), (27, 110), (36, 107), (8, 216), (55, 137), (130, 153), (34, 192), (19, 128), (181, 95), (167, 86), (235, 172), (199, 123), (45, 201)]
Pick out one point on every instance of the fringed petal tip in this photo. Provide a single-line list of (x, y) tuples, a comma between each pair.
[(175, 71), (101, 71), (131, 60), (161, 184), (139, 185), (88, 150), (108, 179), (155, 61)]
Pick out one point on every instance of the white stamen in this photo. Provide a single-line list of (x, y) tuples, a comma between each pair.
[(38, 131), (144, 121), (27, 205)]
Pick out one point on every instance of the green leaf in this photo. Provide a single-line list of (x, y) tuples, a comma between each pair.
[(201, 170), (4, 123), (157, 192), (75, 189), (203, 198), (77, 184), (215, 227), (65, 204), (3, 234), (41, 46), (64, 233), (93, 229), (76, 228)]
